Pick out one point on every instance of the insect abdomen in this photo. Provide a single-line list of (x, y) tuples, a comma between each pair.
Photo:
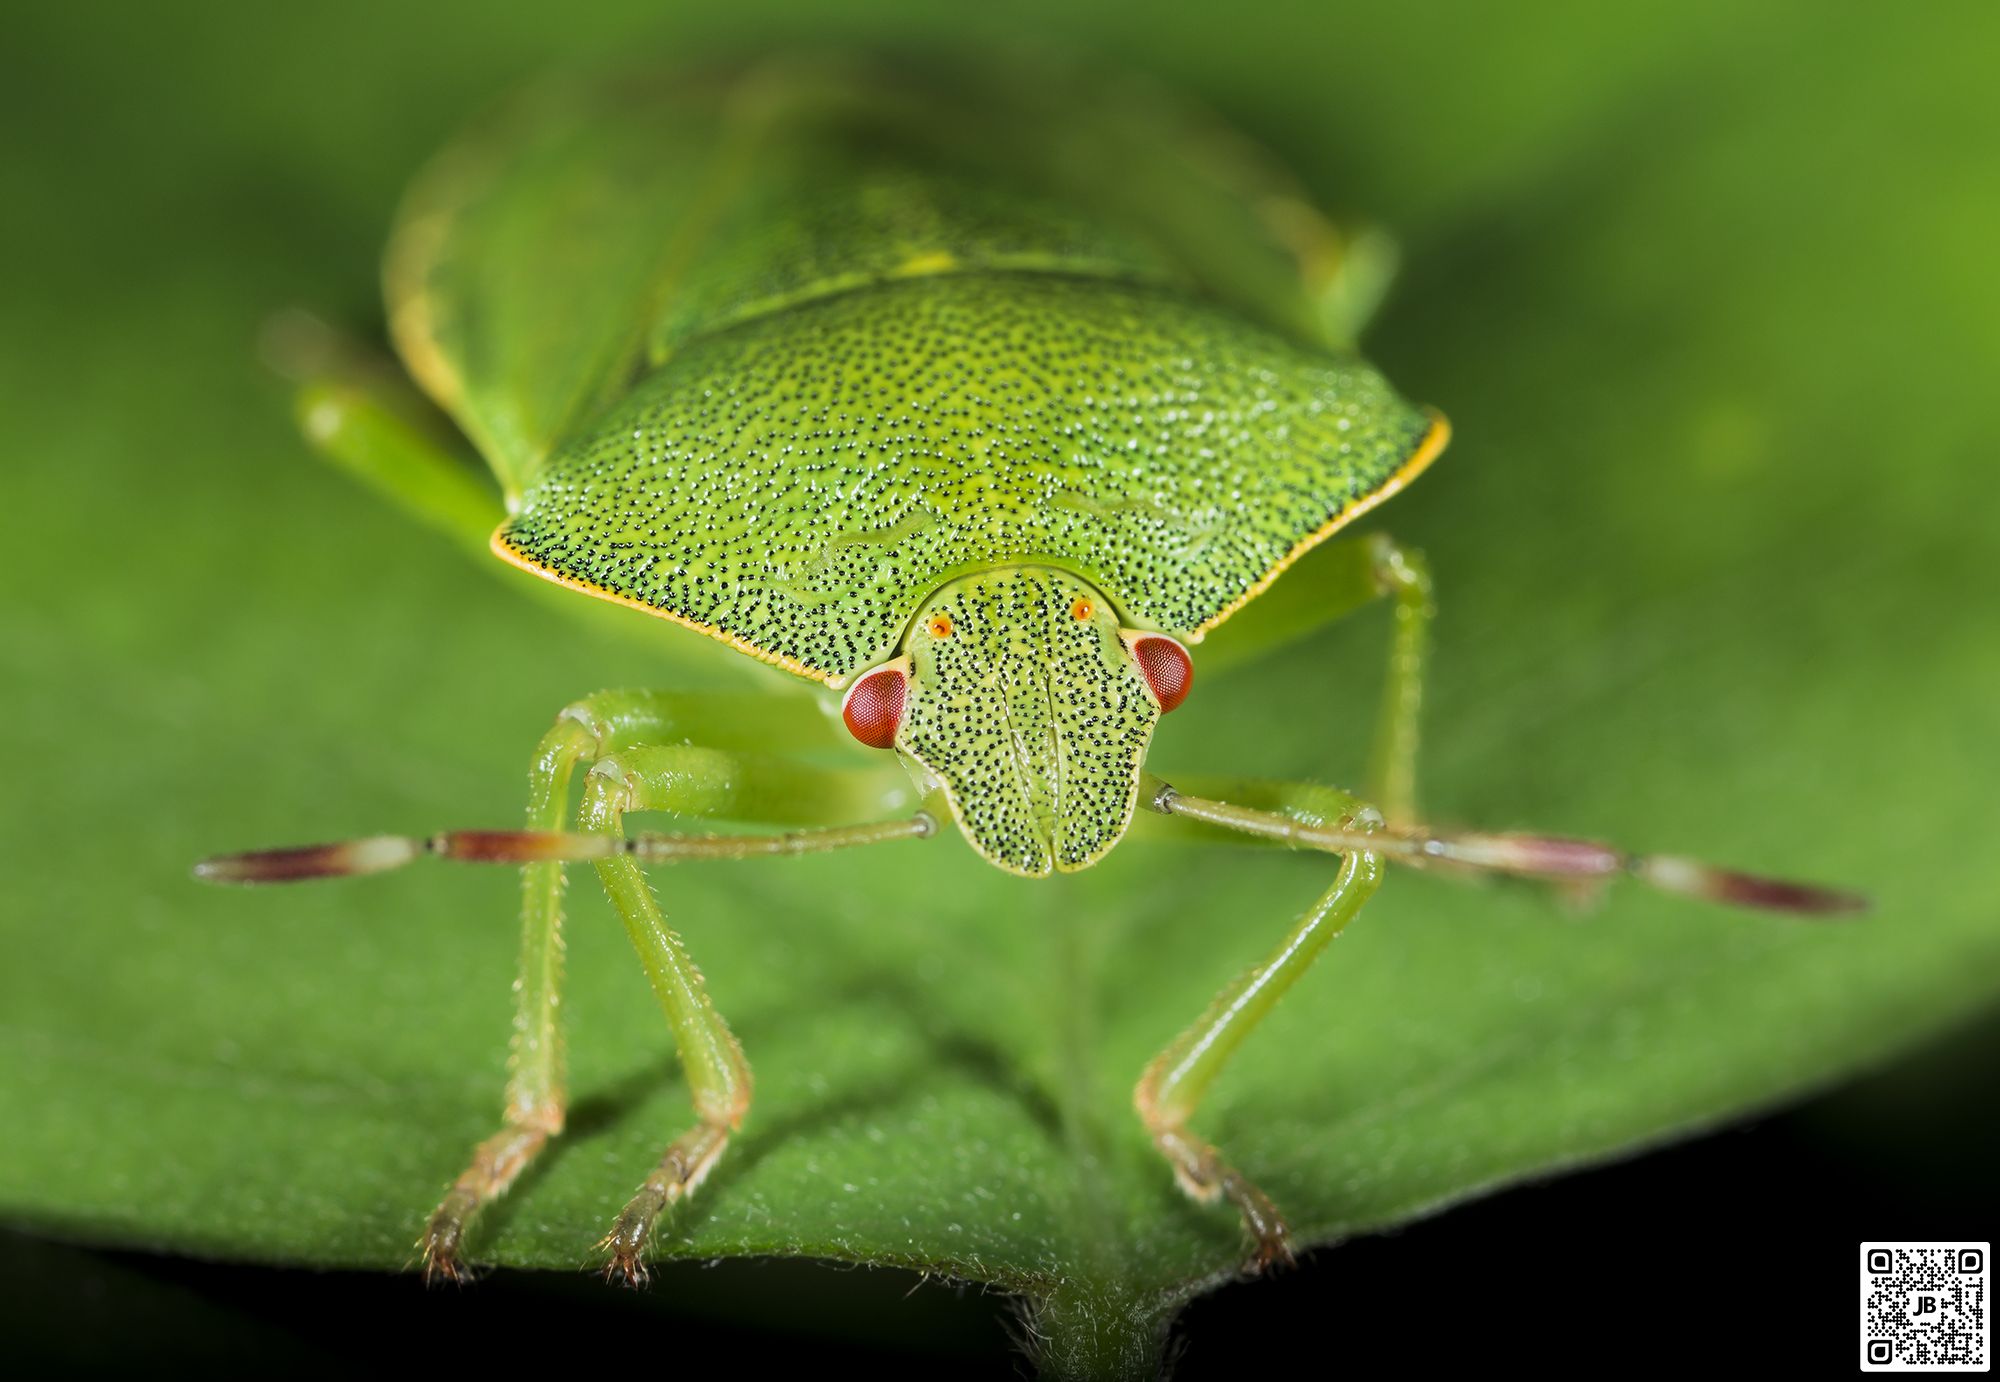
[(588, 229)]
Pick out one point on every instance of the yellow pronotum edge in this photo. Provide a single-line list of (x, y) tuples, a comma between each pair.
[(1427, 451), (793, 665), (1434, 442)]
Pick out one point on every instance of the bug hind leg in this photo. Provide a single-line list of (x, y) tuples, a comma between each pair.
[(536, 1094), (355, 408), (1350, 290)]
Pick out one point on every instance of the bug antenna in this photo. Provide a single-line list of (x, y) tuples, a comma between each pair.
[(1693, 879), (298, 863), (1562, 860), (380, 853), (1578, 865)]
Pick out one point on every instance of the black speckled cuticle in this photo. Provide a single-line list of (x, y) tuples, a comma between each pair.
[(802, 482)]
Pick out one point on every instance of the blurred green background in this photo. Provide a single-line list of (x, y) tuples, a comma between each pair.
[(1707, 291)]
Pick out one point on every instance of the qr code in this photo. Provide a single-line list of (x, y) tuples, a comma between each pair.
[(1923, 1307)]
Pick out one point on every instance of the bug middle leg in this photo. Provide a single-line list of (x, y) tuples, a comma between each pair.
[(1328, 585)]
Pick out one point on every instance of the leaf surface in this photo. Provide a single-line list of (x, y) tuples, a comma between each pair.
[(1711, 320)]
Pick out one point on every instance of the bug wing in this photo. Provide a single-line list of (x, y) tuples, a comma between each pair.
[(591, 226), (526, 257)]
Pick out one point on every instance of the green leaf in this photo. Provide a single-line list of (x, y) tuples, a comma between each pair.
[(1712, 317)]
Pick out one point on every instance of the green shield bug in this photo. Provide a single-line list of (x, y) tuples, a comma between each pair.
[(972, 397)]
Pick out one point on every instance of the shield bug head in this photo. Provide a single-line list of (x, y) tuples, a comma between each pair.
[(1020, 698)]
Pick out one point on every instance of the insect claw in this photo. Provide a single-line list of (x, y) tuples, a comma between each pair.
[(1273, 1250), (442, 1266), (624, 1268)]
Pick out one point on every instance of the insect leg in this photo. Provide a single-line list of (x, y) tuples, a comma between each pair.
[(536, 1095), (1328, 585), (1345, 269), (1403, 575), (583, 732), (1358, 279), (356, 409), (682, 779), (1305, 816), (1174, 1082)]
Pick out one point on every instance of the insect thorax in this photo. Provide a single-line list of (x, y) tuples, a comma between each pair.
[(905, 325)]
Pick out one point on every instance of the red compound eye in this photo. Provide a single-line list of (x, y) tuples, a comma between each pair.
[(873, 708), (1166, 666)]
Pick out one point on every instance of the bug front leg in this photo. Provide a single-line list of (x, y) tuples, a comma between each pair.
[(1305, 816), (717, 1072), (711, 783), (680, 778), (1174, 1082), (659, 779), (535, 1101)]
